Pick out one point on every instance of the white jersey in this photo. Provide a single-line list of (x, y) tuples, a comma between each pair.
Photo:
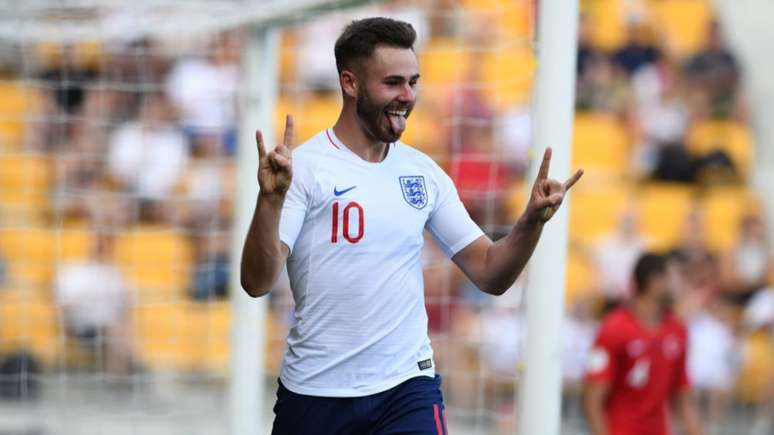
[(355, 233)]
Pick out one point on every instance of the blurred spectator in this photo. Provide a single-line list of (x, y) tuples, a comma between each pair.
[(661, 113), (715, 69), (749, 262), (206, 180), (204, 90), (602, 88), (147, 157), (80, 164), (580, 328), (615, 255), (94, 300), (712, 358), (67, 80), (138, 65), (480, 173), (586, 49), (638, 50), (212, 269)]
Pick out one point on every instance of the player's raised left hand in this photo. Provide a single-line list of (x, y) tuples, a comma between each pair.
[(547, 194)]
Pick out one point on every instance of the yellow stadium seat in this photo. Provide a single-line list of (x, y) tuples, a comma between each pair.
[(663, 211), (29, 322), (73, 244), (595, 209), (581, 276), (165, 336), (608, 25), (16, 101), (30, 254), (723, 209), (443, 62), (34, 252), (757, 369), (683, 23), (25, 172), (513, 19), (216, 320), (600, 146), (24, 183), (311, 114), (157, 262), (507, 76), (729, 136)]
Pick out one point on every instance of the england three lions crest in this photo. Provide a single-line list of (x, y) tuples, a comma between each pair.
[(414, 191)]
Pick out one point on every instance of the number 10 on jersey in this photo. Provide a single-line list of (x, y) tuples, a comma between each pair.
[(344, 216)]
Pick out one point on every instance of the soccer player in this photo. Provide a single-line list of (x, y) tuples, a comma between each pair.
[(637, 366), (346, 211)]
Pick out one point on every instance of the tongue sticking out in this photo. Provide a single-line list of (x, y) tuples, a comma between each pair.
[(397, 123)]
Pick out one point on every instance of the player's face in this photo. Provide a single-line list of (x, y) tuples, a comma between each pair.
[(388, 94)]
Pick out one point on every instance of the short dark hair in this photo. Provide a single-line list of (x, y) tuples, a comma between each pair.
[(648, 266), (361, 37)]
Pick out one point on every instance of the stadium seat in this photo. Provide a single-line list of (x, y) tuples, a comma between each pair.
[(30, 254), (683, 24), (607, 23), (581, 279), (729, 136), (757, 366), (600, 146), (595, 208), (24, 184), (507, 76), (15, 104), (29, 321), (311, 115), (166, 336), (663, 211), (156, 261), (723, 209), (34, 252), (443, 62)]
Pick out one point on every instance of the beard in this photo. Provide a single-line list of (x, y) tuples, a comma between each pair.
[(373, 118)]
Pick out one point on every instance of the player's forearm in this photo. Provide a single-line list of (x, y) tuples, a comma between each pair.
[(593, 407), (507, 257), (689, 414), (262, 252)]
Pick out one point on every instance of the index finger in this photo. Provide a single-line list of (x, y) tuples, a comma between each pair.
[(543, 171), (288, 138), (572, 180), (259, 142)]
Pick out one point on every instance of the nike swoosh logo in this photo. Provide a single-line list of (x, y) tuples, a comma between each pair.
[(341, 192)]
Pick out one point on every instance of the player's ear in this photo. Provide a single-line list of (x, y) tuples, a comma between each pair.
[(349, 83)]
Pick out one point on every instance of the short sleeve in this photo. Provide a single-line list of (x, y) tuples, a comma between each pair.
[(296, 204), (449, 223), (601, 364)]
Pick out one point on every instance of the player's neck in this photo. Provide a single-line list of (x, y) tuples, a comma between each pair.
[(648, 310), (356, 140)]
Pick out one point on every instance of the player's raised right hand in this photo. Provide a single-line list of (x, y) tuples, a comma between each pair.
[(275, 169)]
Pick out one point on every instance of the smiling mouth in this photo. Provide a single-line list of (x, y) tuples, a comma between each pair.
[(397, 120)]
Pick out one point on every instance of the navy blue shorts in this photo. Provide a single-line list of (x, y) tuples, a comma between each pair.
[(414, 407)]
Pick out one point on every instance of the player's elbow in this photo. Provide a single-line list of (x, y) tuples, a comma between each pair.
[(494, 290), (253, 286)]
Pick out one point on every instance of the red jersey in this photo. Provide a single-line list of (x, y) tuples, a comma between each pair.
[(645, 368)]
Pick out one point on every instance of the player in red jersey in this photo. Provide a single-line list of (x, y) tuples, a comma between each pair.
[(637, 368)]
